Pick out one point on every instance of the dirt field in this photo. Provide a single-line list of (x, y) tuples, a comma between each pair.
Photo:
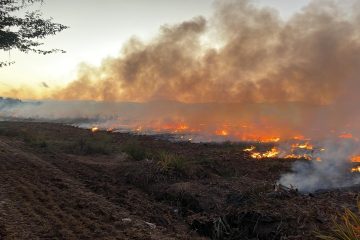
[(62, 182)]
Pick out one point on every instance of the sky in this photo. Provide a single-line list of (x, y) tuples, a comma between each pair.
[(99, 29)]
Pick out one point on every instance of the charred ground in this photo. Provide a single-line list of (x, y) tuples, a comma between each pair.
[(62, 182)]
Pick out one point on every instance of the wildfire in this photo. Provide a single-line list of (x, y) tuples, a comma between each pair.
[(291, 147), (301, 138), (294, 156), (269, 140), (222, 132), (355, 159), (355, 169), (182, 127), (94, 129), (250, 149), (346, 136), (274, 152), (138, 129), (302, 150), (306, 146)]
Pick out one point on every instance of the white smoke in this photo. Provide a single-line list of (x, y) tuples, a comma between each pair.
[(333, 171)]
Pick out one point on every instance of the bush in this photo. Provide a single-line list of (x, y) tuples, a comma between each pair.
[(96, 148), (91, 146), (171, 161), (135, 150), (35, 141)]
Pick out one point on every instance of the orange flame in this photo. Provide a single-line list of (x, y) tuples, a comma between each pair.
[(306, 146), (346, 136), (250, 149), (222, 132), (274, 152), (355, 159), (301, 138), (94, 129)]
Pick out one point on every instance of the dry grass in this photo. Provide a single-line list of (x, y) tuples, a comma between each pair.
[(348, 228), (135, 150), (170, 161), (85, 143)]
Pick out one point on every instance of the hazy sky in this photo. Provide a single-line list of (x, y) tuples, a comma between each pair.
[(99, 28)]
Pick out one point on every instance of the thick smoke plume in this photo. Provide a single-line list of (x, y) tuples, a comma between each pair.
[(312, 57), (243, 54)]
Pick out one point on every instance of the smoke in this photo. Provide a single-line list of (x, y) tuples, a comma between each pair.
[(242, 54), (6, 103), (333, 171), (312, 57), (251, 120)]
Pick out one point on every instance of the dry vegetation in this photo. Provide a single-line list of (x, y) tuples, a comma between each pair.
[(61, 182), (345, 227)]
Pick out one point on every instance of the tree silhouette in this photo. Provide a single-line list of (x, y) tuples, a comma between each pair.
[(24, 32)]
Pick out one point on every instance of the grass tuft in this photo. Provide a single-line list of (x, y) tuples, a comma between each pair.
[(348, 228), (170, 161), (135, 150)]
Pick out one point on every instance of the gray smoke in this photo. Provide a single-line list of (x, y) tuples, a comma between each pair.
[(333, 171)]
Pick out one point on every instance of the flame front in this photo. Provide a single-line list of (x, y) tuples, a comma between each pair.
[(250, 149), (302, 150), (305, 145), (355, 159), (274, 152), (265, 142)]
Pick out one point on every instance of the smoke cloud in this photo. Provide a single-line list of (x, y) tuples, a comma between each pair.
[(312, 57), (329, 173), (242, 54)]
